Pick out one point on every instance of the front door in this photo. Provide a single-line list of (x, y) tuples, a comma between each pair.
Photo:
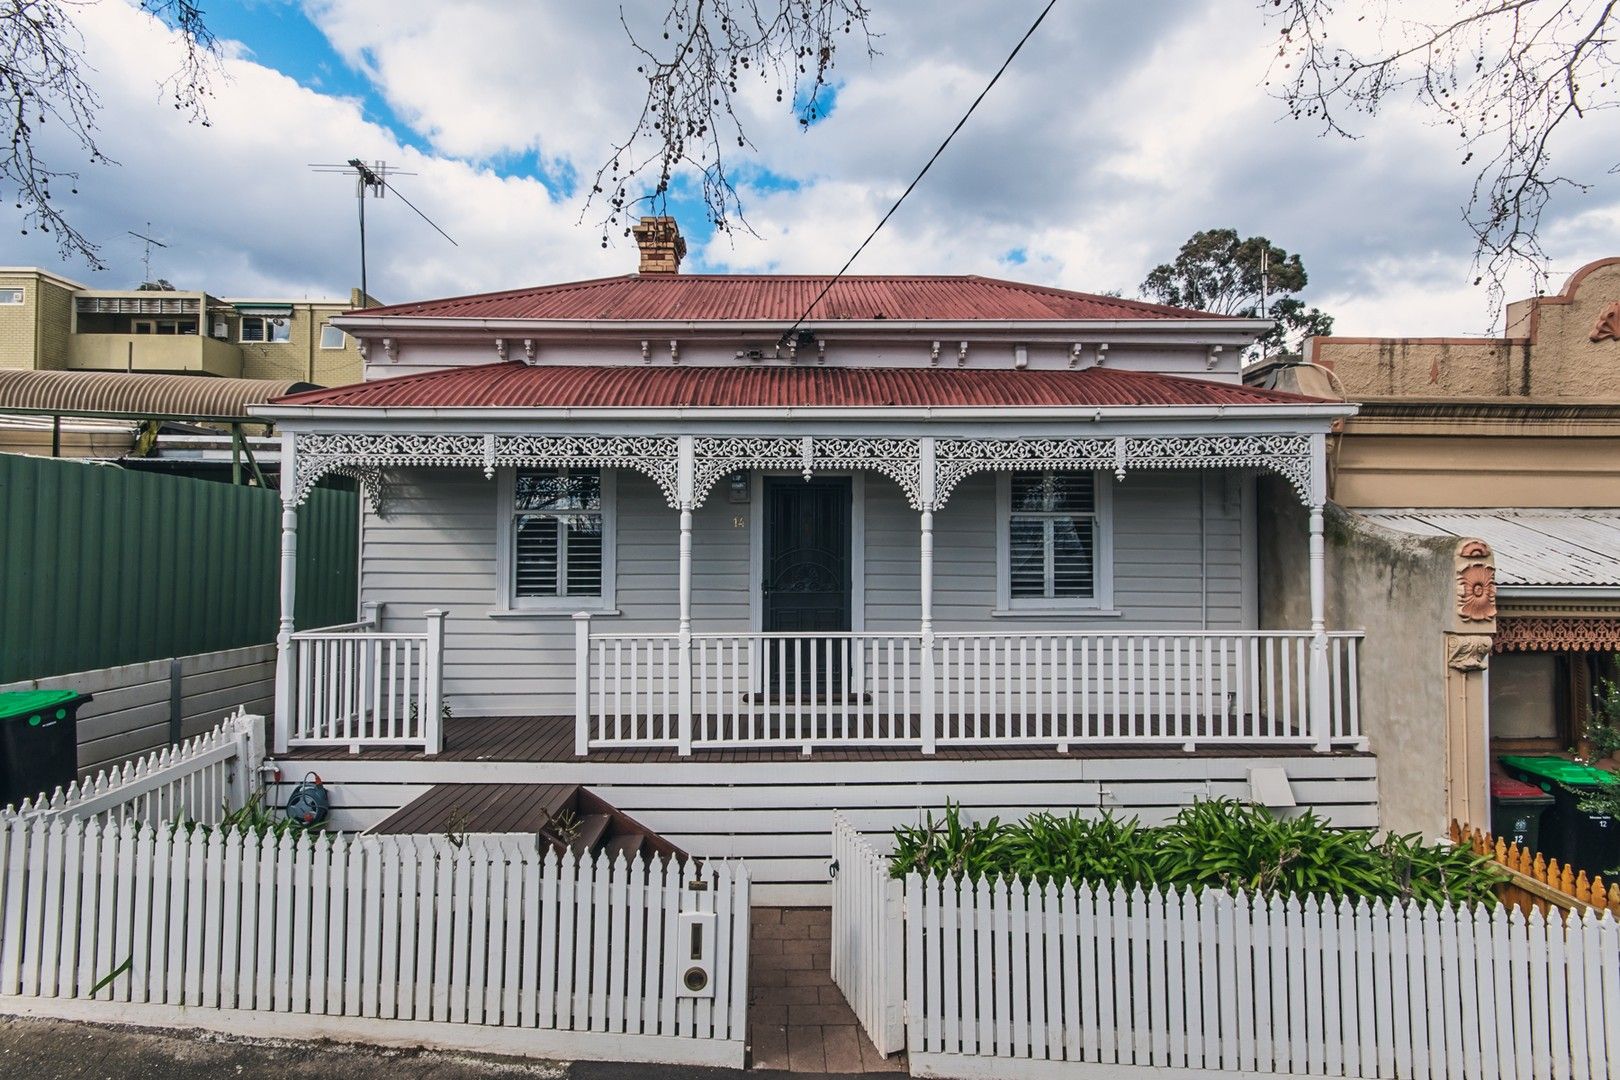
[(806, 586)]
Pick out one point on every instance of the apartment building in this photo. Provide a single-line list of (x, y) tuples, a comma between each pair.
[(48, 322)]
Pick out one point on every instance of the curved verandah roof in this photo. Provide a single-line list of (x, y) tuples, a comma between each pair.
[(139, 395)]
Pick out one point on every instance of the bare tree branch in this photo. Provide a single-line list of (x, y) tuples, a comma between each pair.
[(695, 75), (44, 81), (191, 85), (1506, 75)]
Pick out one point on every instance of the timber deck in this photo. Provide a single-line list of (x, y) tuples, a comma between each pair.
[(551, 739)]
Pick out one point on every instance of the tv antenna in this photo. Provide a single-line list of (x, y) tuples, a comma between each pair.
[(373, 180), (146, 257)]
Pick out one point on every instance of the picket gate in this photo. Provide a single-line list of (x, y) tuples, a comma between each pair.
[(867, 939)]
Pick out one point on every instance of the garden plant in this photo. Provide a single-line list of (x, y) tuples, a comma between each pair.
[(1214, 844)]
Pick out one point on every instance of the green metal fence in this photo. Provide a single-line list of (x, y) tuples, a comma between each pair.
[(102, 566)]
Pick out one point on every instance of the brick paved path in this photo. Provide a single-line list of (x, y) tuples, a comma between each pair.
[(797, 1019)]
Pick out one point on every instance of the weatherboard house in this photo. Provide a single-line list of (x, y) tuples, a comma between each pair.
[(739, 551)]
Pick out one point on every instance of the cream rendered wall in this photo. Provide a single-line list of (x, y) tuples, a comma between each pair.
[(18, 322), (301, 356), (35, 333), (1547, 354), (436, 548)]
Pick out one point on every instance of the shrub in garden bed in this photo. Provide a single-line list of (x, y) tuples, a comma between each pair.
[(1213, 844)]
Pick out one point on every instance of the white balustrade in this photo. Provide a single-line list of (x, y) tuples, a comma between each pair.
[(356, 686), (1137, 687), (872, 689), (806, 690)]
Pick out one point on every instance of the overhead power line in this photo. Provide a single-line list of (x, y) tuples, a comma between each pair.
[(1005, 64)]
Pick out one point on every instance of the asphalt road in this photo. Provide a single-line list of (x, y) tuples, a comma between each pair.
[(62, 1050)]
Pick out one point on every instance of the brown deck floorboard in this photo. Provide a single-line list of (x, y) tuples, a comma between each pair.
[(551, 739)]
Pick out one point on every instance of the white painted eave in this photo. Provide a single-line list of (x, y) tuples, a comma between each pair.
[(1058, 329), (1326, 411)]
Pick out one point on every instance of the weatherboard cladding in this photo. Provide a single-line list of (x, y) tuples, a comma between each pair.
[(517, 385), (786, 298)]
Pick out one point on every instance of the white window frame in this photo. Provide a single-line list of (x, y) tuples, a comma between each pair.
[(343, 337), (241, 330), (510, 604), (13, 290), (1101, 602)]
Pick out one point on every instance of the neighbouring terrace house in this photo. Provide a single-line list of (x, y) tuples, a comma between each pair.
[(1511, 443), (738, 551)]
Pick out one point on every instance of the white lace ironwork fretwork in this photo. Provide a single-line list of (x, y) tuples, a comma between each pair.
[(654, 455), (1287, 455), (956, 459), (366, 456), (896, 458)]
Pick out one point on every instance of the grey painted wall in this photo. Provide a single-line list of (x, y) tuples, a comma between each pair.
[(1164, 574), (1179, 556)]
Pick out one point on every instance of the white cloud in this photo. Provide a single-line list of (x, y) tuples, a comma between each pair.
[(1116, 134), (243, 214)]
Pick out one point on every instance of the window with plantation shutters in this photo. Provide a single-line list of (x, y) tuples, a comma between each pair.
[(1052, 543), (558, 529)]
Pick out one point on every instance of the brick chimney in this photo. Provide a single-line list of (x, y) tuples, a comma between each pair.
[(661, 243)]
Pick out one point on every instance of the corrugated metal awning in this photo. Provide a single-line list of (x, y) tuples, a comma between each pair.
[(138, 394), (1535, 547)]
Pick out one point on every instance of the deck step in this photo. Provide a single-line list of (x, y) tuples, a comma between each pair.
[(626, 844), (591, 829)]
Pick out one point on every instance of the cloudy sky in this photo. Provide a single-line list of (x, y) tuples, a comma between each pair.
[(1120, 130)]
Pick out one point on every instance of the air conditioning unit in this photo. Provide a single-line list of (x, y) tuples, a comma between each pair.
[(222, 329)]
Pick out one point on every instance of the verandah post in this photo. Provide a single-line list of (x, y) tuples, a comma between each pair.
[(433, 707), (286, 678), (582, 685), (685, 482), (1321, 713), (925, 496)]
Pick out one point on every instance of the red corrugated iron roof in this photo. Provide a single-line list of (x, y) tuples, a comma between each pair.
[(517, 385), (785, 298)]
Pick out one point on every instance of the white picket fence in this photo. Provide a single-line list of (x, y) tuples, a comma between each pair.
[(1007, 979), (398, 939), (198, 780)]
